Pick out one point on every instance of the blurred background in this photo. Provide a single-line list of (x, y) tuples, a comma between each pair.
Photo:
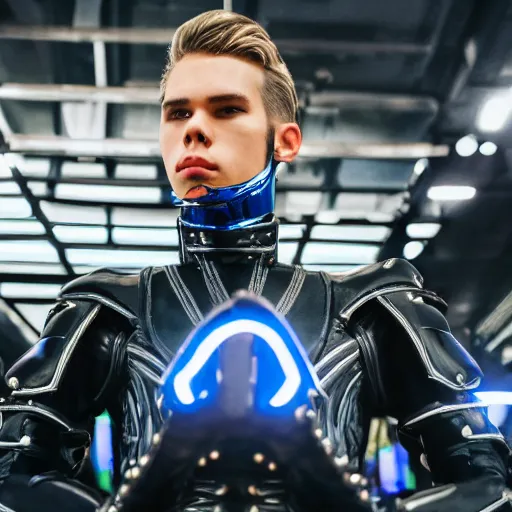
[(406, 114)]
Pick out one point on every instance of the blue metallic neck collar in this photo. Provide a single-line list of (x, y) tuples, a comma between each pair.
[(234, 207)]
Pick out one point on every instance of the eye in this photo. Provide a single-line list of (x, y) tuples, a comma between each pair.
[(229, 111), (178, 114)]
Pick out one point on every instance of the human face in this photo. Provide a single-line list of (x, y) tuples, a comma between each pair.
[(213, 127)]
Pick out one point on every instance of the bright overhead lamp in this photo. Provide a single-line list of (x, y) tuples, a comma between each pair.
[(339, 253), (107, 193), (451, 193), (121, 258), (81, 234), (145, 236), (55, 269), (21, 227), (422, 229), (420, 166), (29, 251), (332, 269), (291, 231), (413, 249), (28, 290), (351, 233), (466, 146), (495, 112), (488, 148), (14, 208), (287, 252), (73, 214)]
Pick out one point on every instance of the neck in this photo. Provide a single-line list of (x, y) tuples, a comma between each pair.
[(245, 243)]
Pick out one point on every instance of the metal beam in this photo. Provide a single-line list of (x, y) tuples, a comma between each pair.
[(56, 92), (150, 95), (164, 37), (126, 148), (380, 101)]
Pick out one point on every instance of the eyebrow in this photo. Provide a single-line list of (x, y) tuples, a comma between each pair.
[(221, 98)]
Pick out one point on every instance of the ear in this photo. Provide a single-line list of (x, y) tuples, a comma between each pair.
[(287, 142)]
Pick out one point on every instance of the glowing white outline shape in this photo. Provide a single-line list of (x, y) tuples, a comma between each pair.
[(216, 338)]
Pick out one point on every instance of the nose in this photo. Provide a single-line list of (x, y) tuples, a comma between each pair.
[(196, 132)]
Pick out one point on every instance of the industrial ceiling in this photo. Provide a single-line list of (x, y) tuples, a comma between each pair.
[(407, 144)]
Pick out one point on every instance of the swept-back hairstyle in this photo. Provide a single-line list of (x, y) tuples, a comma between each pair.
[(222, 32)]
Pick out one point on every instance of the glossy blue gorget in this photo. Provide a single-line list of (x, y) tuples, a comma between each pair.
[(233, 207)]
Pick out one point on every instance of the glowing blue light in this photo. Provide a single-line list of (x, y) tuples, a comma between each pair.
[(495, 397), (279, 376)]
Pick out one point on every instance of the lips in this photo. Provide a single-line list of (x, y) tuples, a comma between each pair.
[(196, 163)]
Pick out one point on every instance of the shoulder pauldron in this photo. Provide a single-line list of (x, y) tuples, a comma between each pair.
[(397, 286)]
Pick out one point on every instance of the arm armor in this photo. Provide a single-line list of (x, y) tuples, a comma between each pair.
[(58, 387), (418, 373)]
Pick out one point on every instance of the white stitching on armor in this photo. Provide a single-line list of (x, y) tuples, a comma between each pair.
[(325, 382), (442, 410), (183, 295), (349, 310), (144, 354), (497, 504), (63, 361), (332, 355), (37, 410), (102, 300), (4, 508), (291, 293)]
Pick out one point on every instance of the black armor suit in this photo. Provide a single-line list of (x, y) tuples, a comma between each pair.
[(378, 340)]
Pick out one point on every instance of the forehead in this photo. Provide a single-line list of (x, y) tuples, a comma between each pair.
[(198, 76)]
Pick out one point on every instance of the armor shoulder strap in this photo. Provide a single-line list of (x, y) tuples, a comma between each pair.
[(115, 290), (372, 281)]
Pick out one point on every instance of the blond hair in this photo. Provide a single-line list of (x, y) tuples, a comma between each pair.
[(222, 32)]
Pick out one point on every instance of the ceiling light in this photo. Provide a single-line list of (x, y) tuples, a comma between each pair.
[(28, 290), (121, 258), (9, 188), (145, 217), (495, 112), (32, 268), (420, 166), (351, 233), (18, 227), (81, 234), (74, 214), (145, 236), (14, 208), (413, 250), (422, 229), (107, 193), (334, 253), (291, 231), (488, 148), (451, 193), (332, 269), (30, 251), (287, 252), (466, 146)]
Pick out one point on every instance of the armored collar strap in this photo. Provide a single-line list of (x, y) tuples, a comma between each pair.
[(249, 242)]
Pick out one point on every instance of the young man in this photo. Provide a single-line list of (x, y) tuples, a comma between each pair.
[(378, 340)]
